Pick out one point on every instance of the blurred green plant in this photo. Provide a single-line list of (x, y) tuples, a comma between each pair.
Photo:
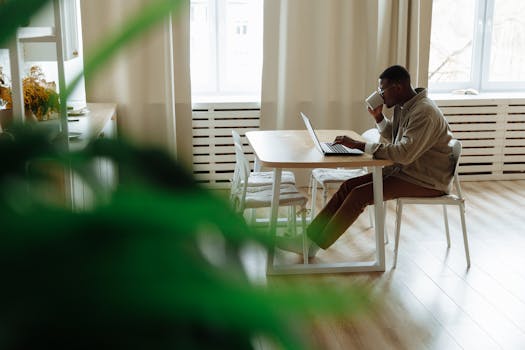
[(134, 271), (15, 14)]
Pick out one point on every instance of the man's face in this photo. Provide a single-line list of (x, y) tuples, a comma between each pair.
[(389, 91)]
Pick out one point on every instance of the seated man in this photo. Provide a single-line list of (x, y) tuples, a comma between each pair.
[(418, 137)]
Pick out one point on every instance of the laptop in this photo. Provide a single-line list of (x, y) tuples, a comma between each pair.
[(327, 148)]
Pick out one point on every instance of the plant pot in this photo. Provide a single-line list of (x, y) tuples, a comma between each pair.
[(6, 118)]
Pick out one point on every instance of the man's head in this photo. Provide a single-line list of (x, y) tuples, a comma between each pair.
[(394, 86)]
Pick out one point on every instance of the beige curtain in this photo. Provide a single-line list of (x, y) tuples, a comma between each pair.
[(149, 79), (405, 26), (324, 57)]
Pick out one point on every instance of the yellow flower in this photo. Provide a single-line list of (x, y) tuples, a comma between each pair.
[(40, 97)]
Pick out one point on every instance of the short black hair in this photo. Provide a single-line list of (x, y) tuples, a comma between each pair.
[(396, 74)]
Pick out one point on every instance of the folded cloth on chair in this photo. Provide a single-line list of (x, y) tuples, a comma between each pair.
[(326, 175), (261, 178)]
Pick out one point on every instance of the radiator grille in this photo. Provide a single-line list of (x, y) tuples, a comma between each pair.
[(213, 151), (492, 133), (493, 137)]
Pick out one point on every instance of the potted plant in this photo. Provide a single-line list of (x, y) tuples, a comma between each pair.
[(41, 101)]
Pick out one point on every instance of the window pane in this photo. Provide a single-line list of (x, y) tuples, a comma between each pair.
[(226, 48), (451, 40), (202, 49), (241, 69), (507, 56)]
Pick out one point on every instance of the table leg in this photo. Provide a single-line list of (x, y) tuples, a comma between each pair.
[(276, 192), (358, 266), (379, 217), (256, 167)]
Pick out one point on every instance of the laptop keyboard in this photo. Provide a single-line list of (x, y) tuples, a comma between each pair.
[(337, 148)]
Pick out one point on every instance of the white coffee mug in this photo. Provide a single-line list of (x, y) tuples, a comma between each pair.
[(374, 100)]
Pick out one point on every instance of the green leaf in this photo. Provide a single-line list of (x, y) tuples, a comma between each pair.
[(15, 14)]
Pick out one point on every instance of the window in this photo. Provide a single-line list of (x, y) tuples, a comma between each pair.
[(477, 44), (226, 50)]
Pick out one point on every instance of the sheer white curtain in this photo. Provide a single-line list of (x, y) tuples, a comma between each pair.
[(149, 79), (324, 57)]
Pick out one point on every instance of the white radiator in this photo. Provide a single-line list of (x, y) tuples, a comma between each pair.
[(492, 132), (213, 151)]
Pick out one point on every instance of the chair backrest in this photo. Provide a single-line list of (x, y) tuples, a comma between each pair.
[(236, 138), (239, 181), (456, 154), (238, 141), (456, 146)]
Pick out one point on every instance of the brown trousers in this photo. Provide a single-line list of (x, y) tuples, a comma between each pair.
[(351, 199)]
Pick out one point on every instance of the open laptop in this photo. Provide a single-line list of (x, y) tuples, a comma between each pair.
[(327, 148)]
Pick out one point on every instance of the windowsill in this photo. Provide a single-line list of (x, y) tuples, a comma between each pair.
[(225, 102), (482, 96)]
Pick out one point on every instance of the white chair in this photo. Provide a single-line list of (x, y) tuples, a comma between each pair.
[(329, 177), (263, 178), (448, 199), (245, 197)]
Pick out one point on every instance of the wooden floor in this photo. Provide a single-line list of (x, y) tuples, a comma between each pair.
[(431, 300)]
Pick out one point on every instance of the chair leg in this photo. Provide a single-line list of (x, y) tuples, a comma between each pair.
[(251, 216), (445, 217), (371, 216), (293, 216), (399, 213), (314, 199), (305, 238), (325, 193), (289, 227), (464, 228)]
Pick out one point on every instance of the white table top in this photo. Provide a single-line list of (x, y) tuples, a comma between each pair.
[(91, 124), (295, 149)]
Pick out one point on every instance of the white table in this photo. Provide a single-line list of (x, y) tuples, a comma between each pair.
[(290, 149)]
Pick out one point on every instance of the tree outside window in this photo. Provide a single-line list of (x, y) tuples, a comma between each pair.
[(477, 44)]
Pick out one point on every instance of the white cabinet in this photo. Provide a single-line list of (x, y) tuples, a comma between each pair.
[(99, 122), (53, 41)]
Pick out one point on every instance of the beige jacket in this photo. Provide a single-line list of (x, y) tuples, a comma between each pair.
[(417, 141)]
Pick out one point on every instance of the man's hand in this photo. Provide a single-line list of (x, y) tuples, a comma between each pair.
[(377, 113), (349, 142)]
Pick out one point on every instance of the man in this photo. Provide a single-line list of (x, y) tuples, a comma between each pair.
[(417, 142)]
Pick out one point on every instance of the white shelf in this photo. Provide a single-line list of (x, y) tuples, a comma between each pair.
[(37, 35), (48, 27)]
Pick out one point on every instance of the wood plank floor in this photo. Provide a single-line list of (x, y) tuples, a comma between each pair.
[(431, 300)]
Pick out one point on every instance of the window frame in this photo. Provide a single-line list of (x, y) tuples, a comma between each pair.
[(481, 55), (216, 92)]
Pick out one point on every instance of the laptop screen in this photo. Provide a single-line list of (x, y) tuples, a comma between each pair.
[(311, 131)]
